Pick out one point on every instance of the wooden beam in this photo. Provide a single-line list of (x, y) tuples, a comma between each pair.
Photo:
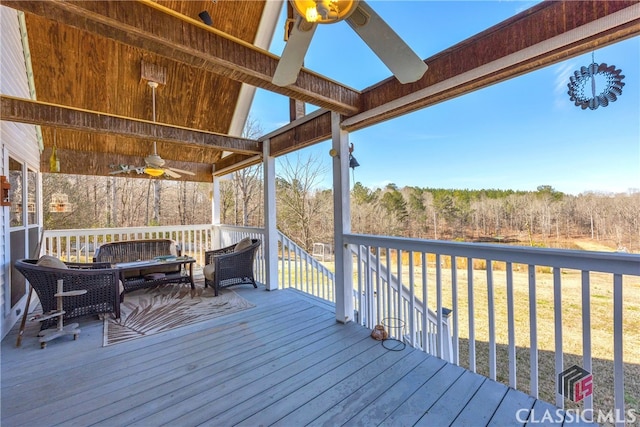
[(306, 132), (152, 27), (235, 162), (41, 113), (100, 164), (545, 34)]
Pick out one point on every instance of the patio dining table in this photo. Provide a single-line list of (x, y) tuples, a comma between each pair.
[(184, 275)]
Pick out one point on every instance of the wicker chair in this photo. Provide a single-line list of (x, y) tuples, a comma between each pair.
[(99, 279), (231, 266)]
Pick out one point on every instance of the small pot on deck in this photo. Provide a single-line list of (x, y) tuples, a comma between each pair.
[(379, 333)]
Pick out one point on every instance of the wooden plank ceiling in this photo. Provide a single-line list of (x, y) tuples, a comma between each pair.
[(87, 59)]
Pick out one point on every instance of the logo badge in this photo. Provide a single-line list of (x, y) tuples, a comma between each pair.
[(575, 383)]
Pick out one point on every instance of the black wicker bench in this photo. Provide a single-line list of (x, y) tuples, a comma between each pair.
[(146, 276)]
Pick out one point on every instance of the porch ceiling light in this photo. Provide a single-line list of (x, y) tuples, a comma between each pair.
[(153, 171), (324, 11)]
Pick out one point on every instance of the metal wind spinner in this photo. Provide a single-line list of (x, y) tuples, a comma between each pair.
[(579, 92)]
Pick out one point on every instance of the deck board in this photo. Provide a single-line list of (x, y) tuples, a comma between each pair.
[(370, 393), (507, 412), (400, 392), (481, 407), (285, 362), (350, 388)]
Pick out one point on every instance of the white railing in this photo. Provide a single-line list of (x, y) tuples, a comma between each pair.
[(80, 244), (300, 270), (508, 298), (297, 269), (379, 297)]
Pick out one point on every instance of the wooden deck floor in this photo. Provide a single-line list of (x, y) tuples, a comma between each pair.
[(286, 362)]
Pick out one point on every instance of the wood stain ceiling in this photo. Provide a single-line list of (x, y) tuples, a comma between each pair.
[(87, 60)]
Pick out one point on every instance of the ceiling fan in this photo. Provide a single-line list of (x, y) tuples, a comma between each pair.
[(154, 165), (375, 32)]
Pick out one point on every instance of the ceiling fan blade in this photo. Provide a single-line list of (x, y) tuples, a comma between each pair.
[(293, 53), (386, 44), (182, 171), (125, 169), (171, 173)]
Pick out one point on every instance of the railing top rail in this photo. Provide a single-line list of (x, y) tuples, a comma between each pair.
[(606, 262), (241, 229), (159, 228)]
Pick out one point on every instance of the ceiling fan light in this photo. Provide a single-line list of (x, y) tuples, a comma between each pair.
[(153, 171), (312, 14), (324, 11)]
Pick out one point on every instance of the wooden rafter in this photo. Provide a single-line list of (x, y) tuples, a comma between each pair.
[(149, 26), (235, 162), (46, 114)]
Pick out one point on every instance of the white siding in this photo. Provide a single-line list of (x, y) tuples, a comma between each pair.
[(17, 139)]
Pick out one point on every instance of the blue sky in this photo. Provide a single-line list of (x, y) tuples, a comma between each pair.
[(517, 134)]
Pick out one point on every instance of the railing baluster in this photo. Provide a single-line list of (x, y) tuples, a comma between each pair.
[(439, 327), (399, 301), (281, 261), (586, 338), (454, 307), (388, 292), (379, 298), (298, 268), (371, 318), (306, 274), (557, 322), (291, 266), (411, 309), (533, 333), (360, 277), (425, 305), (618, 365), (472, 329), (492, 321), (511, 328)]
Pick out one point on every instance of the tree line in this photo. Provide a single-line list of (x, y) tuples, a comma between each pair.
[(544, 217)]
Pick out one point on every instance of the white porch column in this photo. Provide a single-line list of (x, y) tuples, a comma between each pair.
[(342, 221), (270, 248), (215, 212)]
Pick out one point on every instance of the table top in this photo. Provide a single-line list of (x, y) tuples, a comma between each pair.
[(154, 262)]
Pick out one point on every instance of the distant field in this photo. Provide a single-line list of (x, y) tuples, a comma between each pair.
[(589, 245)]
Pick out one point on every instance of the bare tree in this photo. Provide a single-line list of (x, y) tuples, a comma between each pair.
[(298, 207), (248, 186)]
